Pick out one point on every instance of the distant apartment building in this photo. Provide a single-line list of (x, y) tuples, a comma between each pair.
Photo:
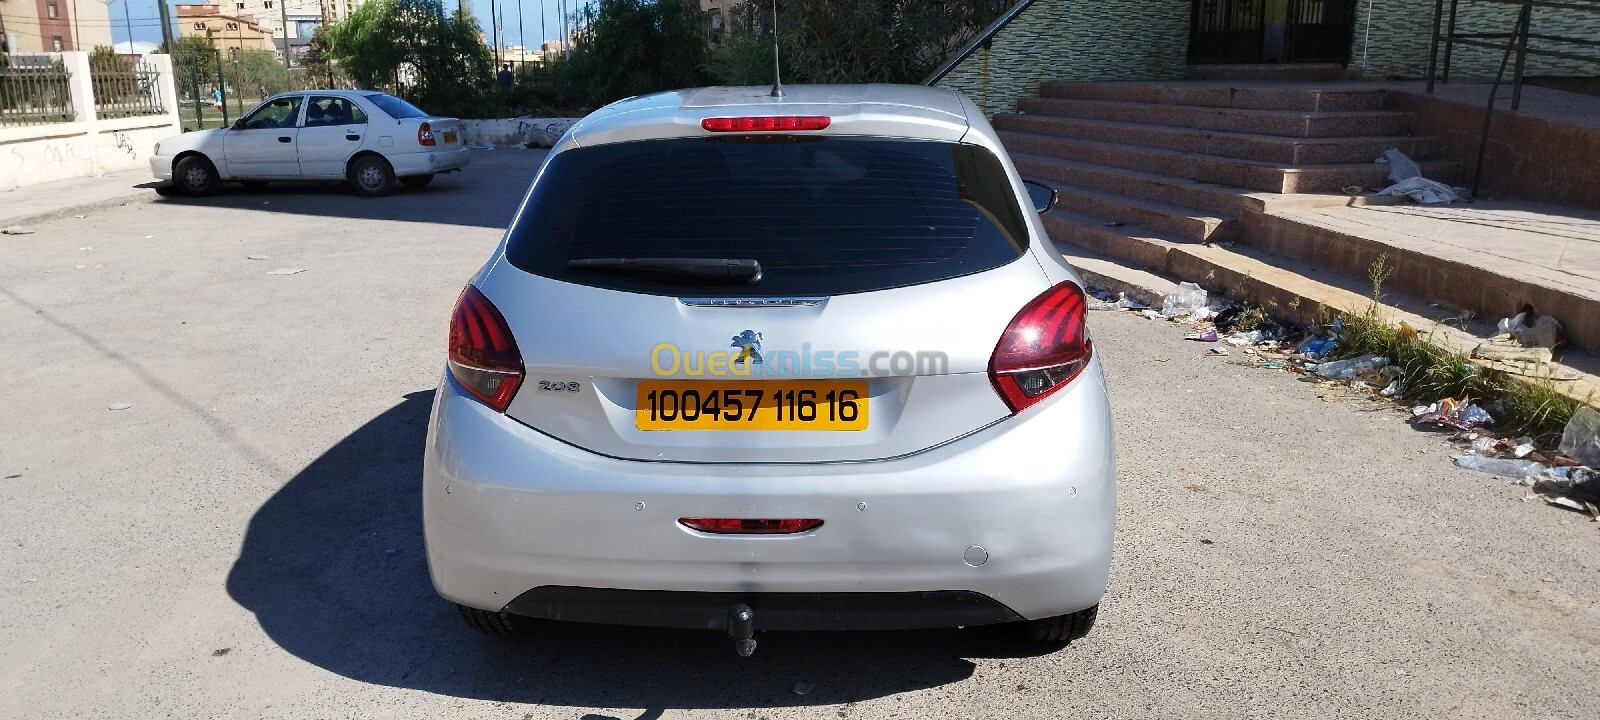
[(230, 32), (715, 16), (291, 22), (31, 26)]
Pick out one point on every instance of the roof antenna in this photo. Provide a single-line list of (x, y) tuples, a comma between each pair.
[(777, 80)]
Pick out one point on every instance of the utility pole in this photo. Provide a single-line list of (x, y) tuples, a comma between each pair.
[(128, 19), (166, 25), (494, 33), (77, 34), (544, 32), (283, 7), (566, 31), (521, 39)]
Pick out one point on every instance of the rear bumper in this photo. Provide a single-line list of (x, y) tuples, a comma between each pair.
[(508, 510), (427, 163), (772, 611)]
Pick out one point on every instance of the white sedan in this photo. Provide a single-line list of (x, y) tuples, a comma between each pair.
[(371, 139)]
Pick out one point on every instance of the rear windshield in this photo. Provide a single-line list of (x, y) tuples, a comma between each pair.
[(823, 216), (395, 107)]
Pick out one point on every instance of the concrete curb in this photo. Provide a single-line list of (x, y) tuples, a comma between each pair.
[(1287, 294), (127, 198)]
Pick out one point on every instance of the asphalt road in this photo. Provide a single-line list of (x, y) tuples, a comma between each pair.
[(242, 539)]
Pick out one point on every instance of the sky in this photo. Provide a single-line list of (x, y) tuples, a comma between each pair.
[(146, 22)]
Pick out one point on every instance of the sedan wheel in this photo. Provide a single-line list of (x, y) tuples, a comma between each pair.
[(372, 176), (195, 176)]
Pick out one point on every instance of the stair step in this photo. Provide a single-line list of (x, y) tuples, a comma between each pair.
[(1244, 146), (1179, 223), (1177, 191), (1299, 72), (1233, 172), (1264, 122), (1251, 97), (1130, 243)]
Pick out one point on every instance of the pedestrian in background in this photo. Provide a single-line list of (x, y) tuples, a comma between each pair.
[(504, 77)]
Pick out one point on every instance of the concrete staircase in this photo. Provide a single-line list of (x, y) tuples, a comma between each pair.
[(1144, 167)]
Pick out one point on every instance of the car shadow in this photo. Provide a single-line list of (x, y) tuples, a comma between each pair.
[(483, 194), (332, 566)]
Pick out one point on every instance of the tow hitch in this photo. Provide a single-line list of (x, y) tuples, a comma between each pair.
[(742, 628)]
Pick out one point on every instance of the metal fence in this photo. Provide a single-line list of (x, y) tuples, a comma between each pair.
[(125, 87), (34, 90)]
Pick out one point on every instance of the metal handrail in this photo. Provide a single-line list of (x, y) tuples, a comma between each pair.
[(982, 39), (1516, 42)]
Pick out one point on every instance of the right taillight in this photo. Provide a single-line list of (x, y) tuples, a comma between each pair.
[(483, 356), (425, 135), (1045, 347)]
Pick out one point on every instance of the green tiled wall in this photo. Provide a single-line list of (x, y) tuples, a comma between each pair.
[(1076, 40), (1397, 44), (1148, 39)]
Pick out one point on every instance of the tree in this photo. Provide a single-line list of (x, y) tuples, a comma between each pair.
[(413, 49), (256, 70), (194, 64), (846, 41), (633, 47)]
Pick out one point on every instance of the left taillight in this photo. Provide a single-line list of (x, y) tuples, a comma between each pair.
[(425, 135), (483, 355), (1044, 348)]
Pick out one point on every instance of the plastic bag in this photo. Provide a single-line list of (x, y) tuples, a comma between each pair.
[(1581, 438), (1400, 167), (1187, 299)]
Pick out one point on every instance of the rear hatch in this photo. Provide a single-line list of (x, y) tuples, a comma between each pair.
[(888, 270)]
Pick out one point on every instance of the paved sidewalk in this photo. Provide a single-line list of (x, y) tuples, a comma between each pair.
[(32, 203), (1545, 245)]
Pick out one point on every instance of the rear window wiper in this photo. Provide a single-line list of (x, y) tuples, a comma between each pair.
[(706, 270)]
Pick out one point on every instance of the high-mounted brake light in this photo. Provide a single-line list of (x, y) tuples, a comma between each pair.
[(771, 122), (425, 135), (1044, 348), (483, 355), (738, 526)]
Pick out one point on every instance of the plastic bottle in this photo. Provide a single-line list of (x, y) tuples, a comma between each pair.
[(1504, 467), (1351, 368)]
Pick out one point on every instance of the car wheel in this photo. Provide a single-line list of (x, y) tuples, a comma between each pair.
[(1061, 629), (195, 176), (166, 190), (371, 176), (416, 181), (493, 623)]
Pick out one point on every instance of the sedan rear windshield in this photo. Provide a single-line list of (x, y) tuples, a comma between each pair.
[(821, 215), (395, 107)]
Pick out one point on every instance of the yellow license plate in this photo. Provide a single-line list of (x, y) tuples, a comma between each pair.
[(774, 405), (449, 138)]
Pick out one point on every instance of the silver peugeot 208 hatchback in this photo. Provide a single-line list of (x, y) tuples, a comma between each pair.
[(751, 363)]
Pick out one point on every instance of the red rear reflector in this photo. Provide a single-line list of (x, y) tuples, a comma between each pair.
[(737, 526), (425, 135), (483, 356), (1044, 348), (774, 122)]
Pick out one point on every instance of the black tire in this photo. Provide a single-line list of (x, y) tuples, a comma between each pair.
[(195, 176), (1061, 629), (253, 184), (371, 176), (416, 181), (492, 623), (166, 190)]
